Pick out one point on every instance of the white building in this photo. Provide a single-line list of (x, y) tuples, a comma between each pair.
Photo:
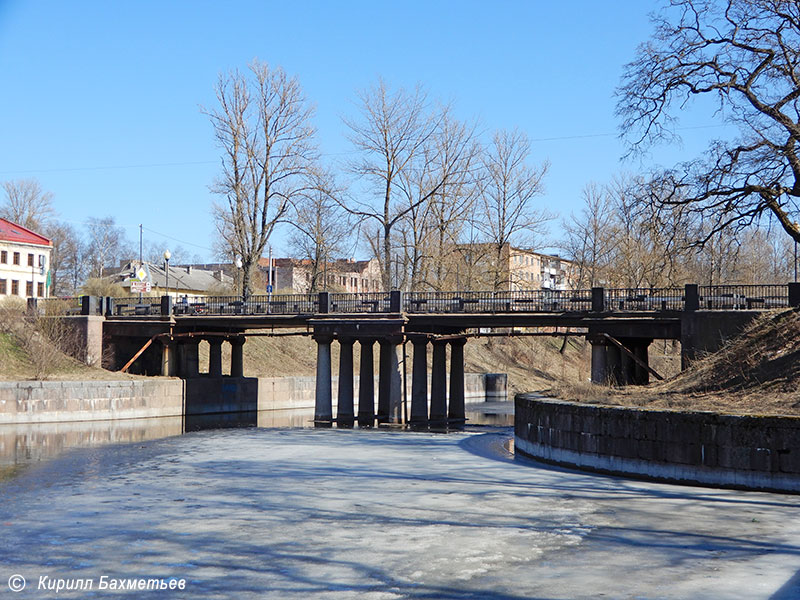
[(24, 262)]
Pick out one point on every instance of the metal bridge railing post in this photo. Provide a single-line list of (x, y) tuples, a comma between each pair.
[(324, 302), (794, 294), (691, 297), (598, 299), (396, 301)]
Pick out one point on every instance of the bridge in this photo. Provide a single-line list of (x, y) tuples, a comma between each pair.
[(161, 337)]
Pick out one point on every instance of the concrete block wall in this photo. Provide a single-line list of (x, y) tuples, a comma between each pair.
[(67, 401), (748, 452), (64, 401)]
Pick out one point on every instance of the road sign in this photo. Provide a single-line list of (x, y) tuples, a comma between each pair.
[(269, 289), (140, 287)]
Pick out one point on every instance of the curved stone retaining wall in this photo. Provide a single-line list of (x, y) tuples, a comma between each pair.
[(747, 452)]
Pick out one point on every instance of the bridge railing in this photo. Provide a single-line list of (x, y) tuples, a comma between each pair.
[(498, 302), (133, 305), (275, 304), (59, 306), (644, 299), (737, 297), (691, 297), (365, 302)]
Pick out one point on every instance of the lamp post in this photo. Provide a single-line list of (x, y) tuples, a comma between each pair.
[(238, 263), (167, 256), (797, 228)]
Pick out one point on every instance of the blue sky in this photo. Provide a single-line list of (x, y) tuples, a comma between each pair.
[(101, 100)]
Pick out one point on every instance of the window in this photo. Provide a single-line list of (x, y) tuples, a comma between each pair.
[(16, 258), (40, 289), (30, 260), (29, 289), (3, 290), (14, 287), (4, 257)]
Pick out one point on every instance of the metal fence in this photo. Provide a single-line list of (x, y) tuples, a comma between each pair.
[(644, 299), (498, 302), (59, 306), (719, 297), (737, 297), (133, 305), (283, 304), (367, 302)]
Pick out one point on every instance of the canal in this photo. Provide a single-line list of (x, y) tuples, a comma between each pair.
[(282, 510)]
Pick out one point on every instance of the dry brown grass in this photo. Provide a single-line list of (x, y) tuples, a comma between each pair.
[(756, 373)]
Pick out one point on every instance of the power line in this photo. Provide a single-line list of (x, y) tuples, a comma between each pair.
[(213, 162), (111, 167), (174, 239)]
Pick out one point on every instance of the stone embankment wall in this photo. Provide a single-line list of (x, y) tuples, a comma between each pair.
[(748, 452), (63, 401), (68, 401)]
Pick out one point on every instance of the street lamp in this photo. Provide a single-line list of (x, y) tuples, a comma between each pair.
[(238, 263), (796, 228), (167, 256)]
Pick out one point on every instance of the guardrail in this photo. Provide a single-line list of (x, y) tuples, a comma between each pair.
[(644, 299), (737, 297), (612, 300)]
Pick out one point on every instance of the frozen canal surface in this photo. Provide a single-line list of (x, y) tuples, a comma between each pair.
[(269, 513)]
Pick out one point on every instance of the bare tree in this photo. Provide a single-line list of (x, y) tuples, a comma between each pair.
[(590, 238), (400, 165), (509, 186), (107, 244), (263, 126), (320, 228), (27, 204), (67, 264), (746, 55)]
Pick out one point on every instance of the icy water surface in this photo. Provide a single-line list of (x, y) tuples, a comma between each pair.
[(374, 514)]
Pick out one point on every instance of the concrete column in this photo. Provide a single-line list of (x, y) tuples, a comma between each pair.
[(237, 356), (627, 365), (390, 401), (600, 373), (456, 412), (345, 414), (642, 375), (439, 383), (614, 364), (190, 357), (366, 384), (419, 381), (215, 357), (169, 365), (384, 380), (323, 397)]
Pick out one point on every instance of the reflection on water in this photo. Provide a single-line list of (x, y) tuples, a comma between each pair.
[(28, 443)]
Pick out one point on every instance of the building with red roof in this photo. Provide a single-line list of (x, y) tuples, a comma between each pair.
[(24, 261)]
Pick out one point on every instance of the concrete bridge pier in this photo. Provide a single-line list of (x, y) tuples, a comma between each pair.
[(366, 384), (439, 383), (189, 357), (345, 415), (613, 366), (600, 371), (456, 412), (390, 402), (215, 357), (237, 356), (323, 399), (419, 381), (641, 375), (169, 363)]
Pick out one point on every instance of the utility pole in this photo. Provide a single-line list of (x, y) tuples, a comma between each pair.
[(141, 264)]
